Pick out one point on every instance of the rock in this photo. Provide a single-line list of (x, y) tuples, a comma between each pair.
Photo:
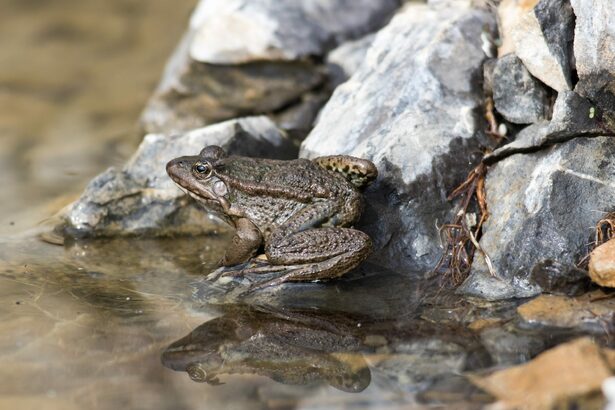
[(602, 264), (593, 311), (542, 206), (142, 198), (411, 107), (509, 347), (557, 278), (298, 119), (509, 13), (518, 96), (594, 50), (241, 31), (542, 39), (567, 376), (193, 94), (573, 117), (345, 60), (243, 57)]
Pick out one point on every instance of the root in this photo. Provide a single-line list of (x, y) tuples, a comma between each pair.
[(460, 238), (603, 231)]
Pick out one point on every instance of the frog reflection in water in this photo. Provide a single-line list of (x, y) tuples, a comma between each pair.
[(299, 211), (300, 348)]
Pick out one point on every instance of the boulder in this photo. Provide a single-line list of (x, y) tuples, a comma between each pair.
[(542, 209), (542, 39), (412, 108), (518, 96), (242, 31), (594, 50), (141, 198), (242, 57)]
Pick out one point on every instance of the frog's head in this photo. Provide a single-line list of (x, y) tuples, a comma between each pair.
[(197, 176)]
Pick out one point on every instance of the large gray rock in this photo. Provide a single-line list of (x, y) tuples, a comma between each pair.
[(345, 60), (412, 109), (241, 31), (594, 50), (141, 198), (543, 207), (241, 57), (543, 41), (518, 96)]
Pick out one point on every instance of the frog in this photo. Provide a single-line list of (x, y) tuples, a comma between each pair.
[(300, 212)]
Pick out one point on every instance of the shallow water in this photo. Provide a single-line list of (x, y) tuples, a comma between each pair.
[(108, 324)]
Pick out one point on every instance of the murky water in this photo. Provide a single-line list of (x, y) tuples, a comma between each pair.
[(134, 323)]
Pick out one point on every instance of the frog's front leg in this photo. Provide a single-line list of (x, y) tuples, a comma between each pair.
[(245, 243)]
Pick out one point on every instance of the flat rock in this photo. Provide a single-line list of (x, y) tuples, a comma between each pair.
[(542, 207), (241, 31), (602, 264), (567, 376), (411, 107), (518, 96), (594, 311), (141, 198), (542, 39), (594, 50)]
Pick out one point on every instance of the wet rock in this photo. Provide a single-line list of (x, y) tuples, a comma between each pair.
[(594, 311), (573, 117), (518, 96), (240, 31), (509, 347), (411, 108), (602, 264), (594, 50), (141, 197), (557, 278), (253, 57), (344, 61), (543, 41), (567, 376), (539, 212)]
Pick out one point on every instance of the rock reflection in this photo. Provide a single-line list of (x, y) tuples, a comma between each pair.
[(298, 347)]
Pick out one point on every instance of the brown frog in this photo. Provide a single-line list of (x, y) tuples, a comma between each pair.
[(299, 211)]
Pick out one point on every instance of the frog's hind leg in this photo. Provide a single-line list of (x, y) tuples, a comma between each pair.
[(314, 254)]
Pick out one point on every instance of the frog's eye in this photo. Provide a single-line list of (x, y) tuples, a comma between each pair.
[(203, 168)]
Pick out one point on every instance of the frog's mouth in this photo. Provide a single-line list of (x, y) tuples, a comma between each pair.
[(179, 169)]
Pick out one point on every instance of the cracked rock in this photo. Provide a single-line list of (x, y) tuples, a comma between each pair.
[(518, 96), (412, 108), (141, 198), (573, 116), (543, 207)]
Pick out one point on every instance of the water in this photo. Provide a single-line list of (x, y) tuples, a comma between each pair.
[(109, 324)]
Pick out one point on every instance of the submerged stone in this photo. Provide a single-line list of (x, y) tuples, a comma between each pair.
[(411, 108), (567, 376)]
